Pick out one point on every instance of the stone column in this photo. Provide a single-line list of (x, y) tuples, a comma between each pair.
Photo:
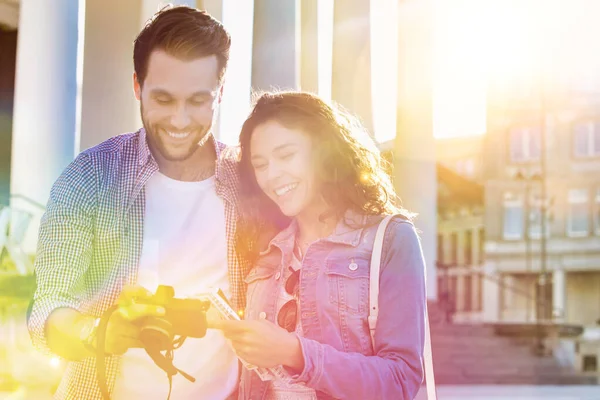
[(309, 46), (276, 45), (559, 295), (491, 294), (414, 148), (237, 17), (108, 105), (351, 78), (44, 118)]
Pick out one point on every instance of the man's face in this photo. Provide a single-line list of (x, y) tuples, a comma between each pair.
[(178, 102)]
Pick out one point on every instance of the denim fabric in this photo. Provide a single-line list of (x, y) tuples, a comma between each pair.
[(340, 360)]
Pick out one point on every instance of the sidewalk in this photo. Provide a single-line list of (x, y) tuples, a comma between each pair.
[(487, 392), (505, 392)]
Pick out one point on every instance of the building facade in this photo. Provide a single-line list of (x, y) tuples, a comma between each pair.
[(542, 203), (460, 251)]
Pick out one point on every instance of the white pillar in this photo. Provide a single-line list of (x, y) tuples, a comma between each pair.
[(309, 46), (276, 50), (324, 54), (491, 294), (559, 292), (351, 78), (414, 149), (44, 119), (108, 105), (384, 68), (238, 18)]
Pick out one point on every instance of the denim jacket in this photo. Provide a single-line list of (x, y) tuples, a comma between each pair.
[(340, 360)]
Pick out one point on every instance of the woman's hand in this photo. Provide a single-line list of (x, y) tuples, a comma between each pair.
[(263, 344)]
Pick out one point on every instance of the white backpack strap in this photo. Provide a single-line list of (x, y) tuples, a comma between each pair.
[(374, 279), (428, 359), (374, 307)]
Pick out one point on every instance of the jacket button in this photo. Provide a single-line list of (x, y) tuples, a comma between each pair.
[(278, 275), (353, 266), (262, 315)]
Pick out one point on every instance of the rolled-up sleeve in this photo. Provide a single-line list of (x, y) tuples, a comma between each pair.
[(396, 370), (64, 249)]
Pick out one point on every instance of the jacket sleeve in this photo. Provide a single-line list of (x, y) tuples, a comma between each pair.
[(396, 370)]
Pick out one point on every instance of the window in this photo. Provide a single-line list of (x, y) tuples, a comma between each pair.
[(578, 213), (513, 216), (586, 140), (468, 247), (524, 145)]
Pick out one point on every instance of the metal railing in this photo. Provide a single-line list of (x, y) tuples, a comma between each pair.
[(5, 201), (443, 272)]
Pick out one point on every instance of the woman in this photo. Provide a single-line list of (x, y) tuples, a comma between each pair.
[(309, 172)]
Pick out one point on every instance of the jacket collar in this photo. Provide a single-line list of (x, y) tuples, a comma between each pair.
[(348, 231)]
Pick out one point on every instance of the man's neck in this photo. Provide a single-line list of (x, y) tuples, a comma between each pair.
[(198, 167)]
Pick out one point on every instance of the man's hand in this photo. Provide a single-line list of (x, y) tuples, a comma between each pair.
[(263, 343), (65, 326), (123, 329)]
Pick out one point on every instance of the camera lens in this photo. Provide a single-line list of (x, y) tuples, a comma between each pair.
[(156, 334)]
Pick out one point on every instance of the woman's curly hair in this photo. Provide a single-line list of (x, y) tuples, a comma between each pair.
[(351, 172)]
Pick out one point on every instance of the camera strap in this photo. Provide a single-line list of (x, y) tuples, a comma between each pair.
[(164, 362), (101, 354)]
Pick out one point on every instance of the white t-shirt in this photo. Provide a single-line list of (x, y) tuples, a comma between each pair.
[(185, 247)]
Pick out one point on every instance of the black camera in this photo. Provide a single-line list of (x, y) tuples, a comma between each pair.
[(183, 317)]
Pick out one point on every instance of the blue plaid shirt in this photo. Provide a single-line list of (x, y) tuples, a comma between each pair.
[(91, 238)]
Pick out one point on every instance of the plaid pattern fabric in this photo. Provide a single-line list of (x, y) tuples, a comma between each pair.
[(90, 241)]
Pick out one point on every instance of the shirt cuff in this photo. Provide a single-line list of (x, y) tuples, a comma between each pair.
[(40, 311)]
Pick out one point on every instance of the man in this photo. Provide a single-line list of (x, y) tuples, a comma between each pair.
[(142, 209)]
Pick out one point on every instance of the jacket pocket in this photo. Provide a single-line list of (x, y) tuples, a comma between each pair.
[(348, 283), (258, 291)]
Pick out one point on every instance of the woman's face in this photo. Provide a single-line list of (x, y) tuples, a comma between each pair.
[(283, 163)]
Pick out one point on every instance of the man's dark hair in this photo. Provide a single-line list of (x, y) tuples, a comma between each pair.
[(181, 32)]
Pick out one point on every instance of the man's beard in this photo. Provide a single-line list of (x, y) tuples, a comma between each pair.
[(155, 142)]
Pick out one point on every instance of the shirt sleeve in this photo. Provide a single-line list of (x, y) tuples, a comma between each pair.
[(64, 249)]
